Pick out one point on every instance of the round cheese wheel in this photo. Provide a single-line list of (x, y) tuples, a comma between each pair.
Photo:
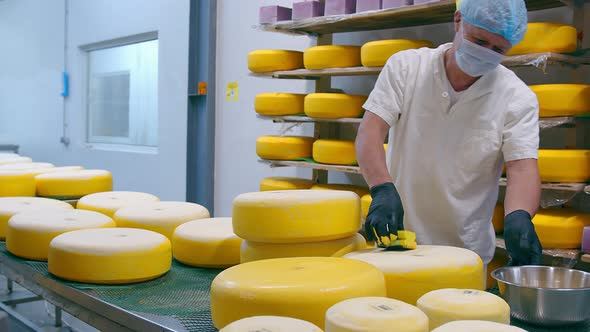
[(277, 104), (451, 304), (302, 288), (16, 183), (8, 155), (477, 326), (73, 184), (270, 324), (334, 152), (207, 243), (551, 166), (498, 218), (26, 166), (547, 37), (109, 202), (562, 99), (411, 274), (29, 234), (499, 260), (561, 228), (160, 217), (366, 201), (14, 160), (109, 255), (376, 53), (284, 183), (375, 314), (334, 105), (37, 171), (255, 251), (284, 147), (9, 206), (296, 216), (332, 56), (361, 191), (262, 61)]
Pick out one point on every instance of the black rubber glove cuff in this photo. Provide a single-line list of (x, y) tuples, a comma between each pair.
[(522, 242)]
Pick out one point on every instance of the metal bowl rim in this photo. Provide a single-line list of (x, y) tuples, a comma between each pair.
[(496, 272)]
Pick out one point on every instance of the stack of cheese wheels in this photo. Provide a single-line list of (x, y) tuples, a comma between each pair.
[(561, 228), (262, 61), (14, 159), (366, 201), (29, 234), (25, 166), (335, 152), (375, 314), (270, 324), (297, 223), (110, 255), (447, 305), (16, 183), (109, 202), (334, 105), (477, 326), (277, 104), (376, 53), (562, 99), (361, 191), (551, 166), (284, 183), (10, 206), (332, 56), (498, 218), (284, 147), (302, 288), (160, 217), (411, 274), (73, 184), (547, 37), (207, 243)]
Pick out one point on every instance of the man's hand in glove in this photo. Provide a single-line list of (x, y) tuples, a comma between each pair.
[(386, 215), (522, 242)]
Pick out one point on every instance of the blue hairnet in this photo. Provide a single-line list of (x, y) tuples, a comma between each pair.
[(507, 18)]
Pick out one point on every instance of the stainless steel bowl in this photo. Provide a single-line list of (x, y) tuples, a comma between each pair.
[(545, 295)]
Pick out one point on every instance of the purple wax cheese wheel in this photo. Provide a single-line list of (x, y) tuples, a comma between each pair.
[(586, 240), (368, 5), (272, 14), (396, 3), (307, 9), (340, 7)]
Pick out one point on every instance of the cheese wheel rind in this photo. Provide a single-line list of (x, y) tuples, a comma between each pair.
[(73, 184), (477, 325), (551, 165), (332, 56), (361, 191), (561, 228), (284, 183), (547, 37), (109, 202), (284, 147), (16, 183), (279, 104), (334, 152), (562, 99), (262, 61), (10, 206), (334, 105), (376, 53), (270, 324)]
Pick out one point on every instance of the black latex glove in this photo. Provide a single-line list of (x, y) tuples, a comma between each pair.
[(522, 242), (386, 214)]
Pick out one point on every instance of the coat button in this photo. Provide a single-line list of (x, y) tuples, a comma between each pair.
[(445, 94)]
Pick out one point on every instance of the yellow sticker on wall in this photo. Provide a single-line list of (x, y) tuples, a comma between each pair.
[(233, 91)]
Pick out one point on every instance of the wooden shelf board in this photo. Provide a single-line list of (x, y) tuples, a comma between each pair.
[(305, 164), (586, 258), (573, 187), (426, 14), (305, 119), (566, 254)]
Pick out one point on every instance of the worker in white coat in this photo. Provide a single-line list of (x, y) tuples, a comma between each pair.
[(455, 116)]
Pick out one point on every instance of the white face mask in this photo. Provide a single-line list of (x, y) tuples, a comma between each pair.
[(475, 60)]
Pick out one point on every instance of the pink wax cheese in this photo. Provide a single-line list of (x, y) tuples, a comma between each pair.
[(396, 3), (340, 7), (586, 240), (272, 14), (307, 9), (368, 5)]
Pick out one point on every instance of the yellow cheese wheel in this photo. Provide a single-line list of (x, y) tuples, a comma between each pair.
[(262, 61), (334, 105), (160, 217), (335, 152), (375, 314), (255, 251), (284, 183), (9, 206), (25, 166), (451, 304), (498, 218), (109, 202), (296, 216), (366, 201), (16, 183), (361, 191), (270, 324), (561, 228), (73, 184), (275, 104), (207, 243), (37, 171), (499, 260), (564, 165), (284, 147), (376, 53), (562, 99), (332, 56), (109, 255), (29, 234), (477, 326), (411, 274), (14, 160), (302, 288), (547, 37)]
